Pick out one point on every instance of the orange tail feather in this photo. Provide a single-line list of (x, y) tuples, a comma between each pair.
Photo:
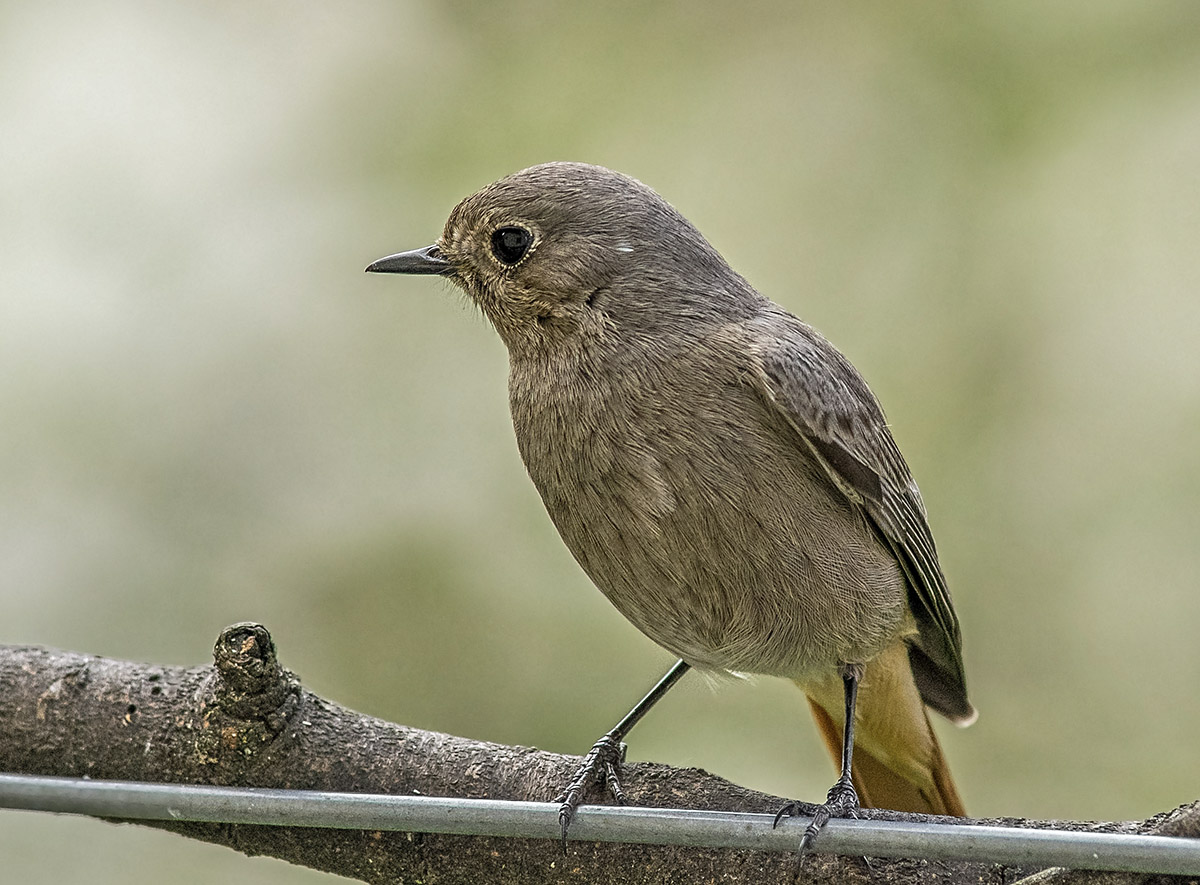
[(880, 787), (898, 762)]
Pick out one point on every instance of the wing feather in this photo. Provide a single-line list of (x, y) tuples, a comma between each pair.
[(828, 403)]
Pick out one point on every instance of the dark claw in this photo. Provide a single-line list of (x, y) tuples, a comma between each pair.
[(793, 809), (602, 765), (565, 813)]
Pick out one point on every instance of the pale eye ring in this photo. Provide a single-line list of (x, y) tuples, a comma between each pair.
[(510, 244)]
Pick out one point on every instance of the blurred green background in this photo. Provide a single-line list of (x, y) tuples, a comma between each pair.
[(210, 414)]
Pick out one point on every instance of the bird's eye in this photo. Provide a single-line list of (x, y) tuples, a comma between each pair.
[(509, 244)]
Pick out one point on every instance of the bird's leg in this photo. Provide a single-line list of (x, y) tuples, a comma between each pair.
[(602, 764), (842, 800)]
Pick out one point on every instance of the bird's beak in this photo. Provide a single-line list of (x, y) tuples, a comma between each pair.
[(428, 260)]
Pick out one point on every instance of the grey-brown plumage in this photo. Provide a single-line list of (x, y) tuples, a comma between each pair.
[(720, 471)]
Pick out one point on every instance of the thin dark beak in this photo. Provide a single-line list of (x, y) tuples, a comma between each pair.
[(427, 260)]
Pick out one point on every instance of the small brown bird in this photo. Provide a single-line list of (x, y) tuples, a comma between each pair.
[(719, 470)]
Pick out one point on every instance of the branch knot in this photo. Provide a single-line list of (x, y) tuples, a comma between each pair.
[(251, 685)]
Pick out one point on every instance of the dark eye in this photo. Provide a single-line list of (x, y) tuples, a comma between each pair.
[(509, 244)]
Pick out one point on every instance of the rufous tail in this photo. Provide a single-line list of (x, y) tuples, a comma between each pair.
[(898, 762)]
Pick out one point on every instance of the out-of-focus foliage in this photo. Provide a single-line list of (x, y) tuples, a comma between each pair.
[(208, 413)]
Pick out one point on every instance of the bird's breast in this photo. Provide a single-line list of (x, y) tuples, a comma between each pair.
[(700, 515)]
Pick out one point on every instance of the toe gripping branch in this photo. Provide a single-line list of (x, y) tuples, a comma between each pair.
[(842, 800), (603, 762), (602, 765)]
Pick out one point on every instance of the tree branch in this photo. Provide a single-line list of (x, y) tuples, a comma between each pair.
[(247, 722)]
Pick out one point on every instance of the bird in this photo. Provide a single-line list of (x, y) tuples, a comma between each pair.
[(719, 470)]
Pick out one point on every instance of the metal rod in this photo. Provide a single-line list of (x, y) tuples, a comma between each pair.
[(1162, 855)]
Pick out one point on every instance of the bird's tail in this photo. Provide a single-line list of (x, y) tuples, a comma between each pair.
[(898, 762)]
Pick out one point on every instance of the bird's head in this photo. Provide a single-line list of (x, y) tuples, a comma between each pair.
[(561, 247)]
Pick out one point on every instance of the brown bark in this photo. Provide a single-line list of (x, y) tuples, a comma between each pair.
[(247, 722)]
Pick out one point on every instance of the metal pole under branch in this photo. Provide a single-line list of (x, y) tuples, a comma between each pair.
[(1164, 855)]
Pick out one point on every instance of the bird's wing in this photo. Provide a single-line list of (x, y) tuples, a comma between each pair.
[(828, 403)]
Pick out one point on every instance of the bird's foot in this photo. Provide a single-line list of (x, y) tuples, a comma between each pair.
[(842, 801), (602, 765)]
